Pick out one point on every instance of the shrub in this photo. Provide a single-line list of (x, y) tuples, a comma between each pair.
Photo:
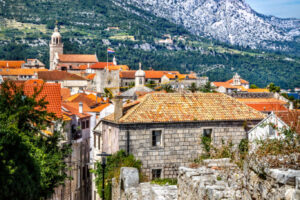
[(165, 181)]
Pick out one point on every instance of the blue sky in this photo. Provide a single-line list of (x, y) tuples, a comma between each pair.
[(278, 8)]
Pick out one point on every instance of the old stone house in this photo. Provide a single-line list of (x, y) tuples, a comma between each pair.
[(164, 130)]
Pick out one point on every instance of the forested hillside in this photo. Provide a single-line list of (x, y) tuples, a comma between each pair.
[(26, 27)]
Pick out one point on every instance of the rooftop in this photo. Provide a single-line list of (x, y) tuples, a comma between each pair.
[(130, 74), (78, 58), (51, 92), (18, 72), (191, 107), (58, 75), (291, 118), (11, 63)]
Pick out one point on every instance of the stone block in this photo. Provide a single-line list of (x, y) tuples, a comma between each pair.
[(129, 177), (284, 176)]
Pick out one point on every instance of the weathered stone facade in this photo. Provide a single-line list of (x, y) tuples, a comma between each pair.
[(180, 142)]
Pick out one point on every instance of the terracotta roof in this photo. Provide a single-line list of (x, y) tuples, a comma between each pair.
[(58, 75), (65, 93), (11, 63), (242, 81), (291, 118), (259, 90), (101, 65), (261, 100), (70, 109), (81, 97), (90, 76), (130, 74), (18, 72), (267, 107), (191, 107), (100, 107), (228, 86), (51, 92), (78, 58), (118, 67), (99, 99)]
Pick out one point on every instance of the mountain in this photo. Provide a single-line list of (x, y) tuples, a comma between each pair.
[(230, 21), (138, 36)]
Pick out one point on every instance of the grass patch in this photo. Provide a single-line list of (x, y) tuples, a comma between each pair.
[(164, 181)]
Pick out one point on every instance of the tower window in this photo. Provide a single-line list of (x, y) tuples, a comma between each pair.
[(141, 81)]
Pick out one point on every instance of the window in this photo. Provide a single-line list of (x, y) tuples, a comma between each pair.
[(156, 173), (95, 140), (141, 81), (99, 142), (207, 132), (156, 138), (271, 131), (87, 123), (83, 124)]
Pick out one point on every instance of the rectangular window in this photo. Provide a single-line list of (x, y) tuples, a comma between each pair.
[(207, 132), (83, 173), (156, 173), (99, 142), (95, 140), (156, 138), (82, 124), (87, 123), (271, 131)]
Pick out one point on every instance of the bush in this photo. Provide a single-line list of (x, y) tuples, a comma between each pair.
[(112, 170)]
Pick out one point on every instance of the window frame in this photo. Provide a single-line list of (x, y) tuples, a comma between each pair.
[(160, 173), (152, 138)]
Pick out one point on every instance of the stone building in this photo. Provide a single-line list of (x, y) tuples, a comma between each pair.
[(33, 64), (65, 61), (236, 84), (164, 130)]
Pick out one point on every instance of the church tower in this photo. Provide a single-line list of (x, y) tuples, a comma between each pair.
[(140, 77), (56, 47)]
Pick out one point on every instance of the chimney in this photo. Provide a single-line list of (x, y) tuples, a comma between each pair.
[(118, 104), (80, 107)]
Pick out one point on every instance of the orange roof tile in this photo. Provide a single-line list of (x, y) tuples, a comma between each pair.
[(73, 109), (65, 93), (259, 90), (78, 58), (11, 63), (100, 107), (242, 81), (51, 92), (101, 65), (58, 75), (261, 100), (267, 107), (149, 74), (19, 72), (191, 107), (84, 98), (291, 118), (90, 76), (228, 86)]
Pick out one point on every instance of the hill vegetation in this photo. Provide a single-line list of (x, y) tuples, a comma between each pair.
[(26, 27)]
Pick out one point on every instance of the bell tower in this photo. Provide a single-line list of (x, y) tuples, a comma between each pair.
[(56, 47)]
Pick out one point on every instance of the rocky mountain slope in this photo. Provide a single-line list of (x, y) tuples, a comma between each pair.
[(26, 27), (232, 21)]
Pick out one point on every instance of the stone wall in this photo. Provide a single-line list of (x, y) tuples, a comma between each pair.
[(219, 179), (251, 95), (180, 145)]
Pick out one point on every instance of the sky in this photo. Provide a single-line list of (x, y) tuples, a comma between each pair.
[(278, 8)]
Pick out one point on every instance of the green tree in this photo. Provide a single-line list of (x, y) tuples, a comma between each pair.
[(207, 88), (193, 88), (273, 88), (253, 86), (31, 164)]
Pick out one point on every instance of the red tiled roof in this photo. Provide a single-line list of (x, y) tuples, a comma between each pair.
[(81, 97), (267, 107), (101, 65), (65, 93), (58, 75), (191, 107), (11, 63), (90, 76), (228, 86), (73, 109), (291, 118), (51, 92), (78, 58), (18, 72)]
